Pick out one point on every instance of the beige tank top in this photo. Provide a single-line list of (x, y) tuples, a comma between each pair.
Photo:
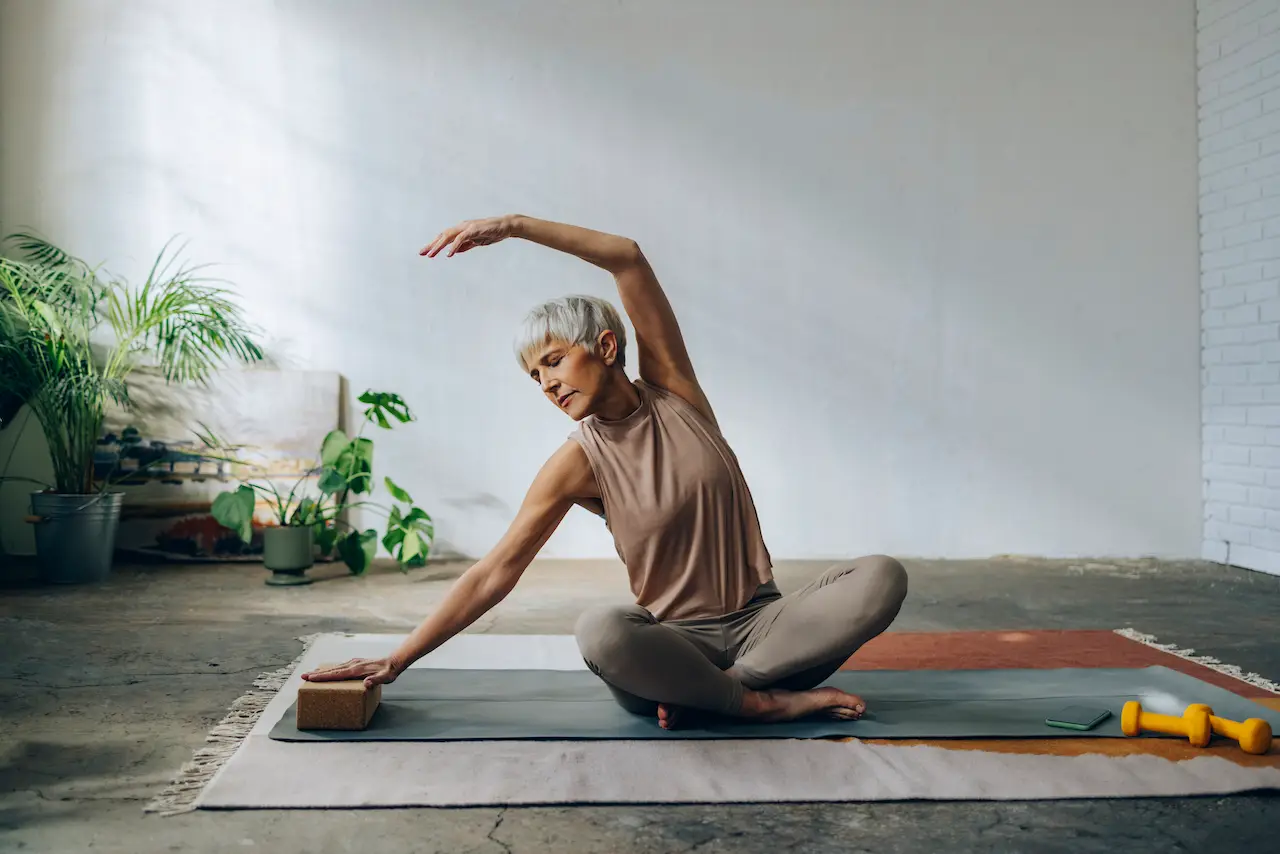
[(679, 509)]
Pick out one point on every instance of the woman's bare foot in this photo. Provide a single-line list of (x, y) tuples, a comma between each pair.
[(668, 716), (772, 706)]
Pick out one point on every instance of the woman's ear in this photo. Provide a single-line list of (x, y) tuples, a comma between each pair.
[(607, 347)]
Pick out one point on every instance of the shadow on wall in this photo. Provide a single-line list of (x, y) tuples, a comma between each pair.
[(29, 51)]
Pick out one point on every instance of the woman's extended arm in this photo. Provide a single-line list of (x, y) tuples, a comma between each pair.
[(663, 358), (565, 477)]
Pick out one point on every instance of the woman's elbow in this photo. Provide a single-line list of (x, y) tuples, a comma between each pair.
[(627, 255), (497, 580)]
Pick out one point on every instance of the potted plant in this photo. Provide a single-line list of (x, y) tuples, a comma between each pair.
[(305, 524), (69, 340)]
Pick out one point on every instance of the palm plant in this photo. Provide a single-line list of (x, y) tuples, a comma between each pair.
[(70, 337)]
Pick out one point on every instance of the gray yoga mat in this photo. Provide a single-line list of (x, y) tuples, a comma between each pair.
[(485, 705)]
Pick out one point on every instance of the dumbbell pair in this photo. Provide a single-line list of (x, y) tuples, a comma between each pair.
[(1198, 724)]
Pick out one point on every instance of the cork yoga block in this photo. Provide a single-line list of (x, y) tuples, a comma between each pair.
[(336, 705)]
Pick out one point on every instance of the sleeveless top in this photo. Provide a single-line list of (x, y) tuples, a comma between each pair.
[(682, 518)]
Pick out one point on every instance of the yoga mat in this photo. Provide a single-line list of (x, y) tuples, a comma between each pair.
[(523, 705), (255, 772)]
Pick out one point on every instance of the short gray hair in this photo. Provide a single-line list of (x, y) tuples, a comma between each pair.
[(573, 319)]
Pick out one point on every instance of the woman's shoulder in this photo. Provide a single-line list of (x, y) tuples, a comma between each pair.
[(692, 400)]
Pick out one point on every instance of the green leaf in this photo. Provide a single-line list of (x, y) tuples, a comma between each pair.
[(326, 538), (396, 492), (234, 510), (334, 444), (305, 513), (416, 514), (357, 550), (356, 465), (418, 520), (382, 403), (332, 480), (47, 315), (420, 553), (392, 538), (410, 548)]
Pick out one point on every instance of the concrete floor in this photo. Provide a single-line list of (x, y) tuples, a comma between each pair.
[(106, 691)]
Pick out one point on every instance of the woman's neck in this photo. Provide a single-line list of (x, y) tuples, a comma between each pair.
[(619, 398)]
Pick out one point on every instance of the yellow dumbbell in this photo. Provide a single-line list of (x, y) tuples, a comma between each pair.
[(1253, 734), (1194, 723)]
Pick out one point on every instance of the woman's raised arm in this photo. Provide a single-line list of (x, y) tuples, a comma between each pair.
[(663, 357)]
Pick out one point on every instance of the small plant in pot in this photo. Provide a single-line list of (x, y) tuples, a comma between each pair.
[(306, 524), (69, 340)]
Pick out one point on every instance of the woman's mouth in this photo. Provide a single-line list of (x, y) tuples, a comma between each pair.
[(566, 397)]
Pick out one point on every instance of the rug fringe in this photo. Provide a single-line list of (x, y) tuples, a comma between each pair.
[(1209, 661), (224, 739)]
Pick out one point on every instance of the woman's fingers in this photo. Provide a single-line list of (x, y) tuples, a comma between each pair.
[(352, 669), (462, 239), (382, 677), (442, 240), (434, 246)]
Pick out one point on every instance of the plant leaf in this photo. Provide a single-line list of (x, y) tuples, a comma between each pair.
[(234, 510), (326, 538), (396, 492), (305, 513), (332, 447), (383, 403), (392, 538), (410, 548), (422, 549), (418, 520), (355, 463), (50, 318), (357, 550), (331, 481)]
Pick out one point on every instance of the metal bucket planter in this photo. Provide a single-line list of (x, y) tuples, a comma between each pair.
[(75, 535), (288, 551)]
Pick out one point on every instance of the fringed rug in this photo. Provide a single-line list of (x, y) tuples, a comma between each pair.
[(242, 768)]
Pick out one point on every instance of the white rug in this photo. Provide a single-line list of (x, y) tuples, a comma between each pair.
[(262, 773)]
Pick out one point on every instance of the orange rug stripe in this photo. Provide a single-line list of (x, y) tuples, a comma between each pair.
[(1048, 649), (1036, 650)]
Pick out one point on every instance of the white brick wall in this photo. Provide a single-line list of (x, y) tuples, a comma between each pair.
[(1238, 43)]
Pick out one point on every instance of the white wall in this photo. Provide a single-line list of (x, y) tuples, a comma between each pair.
[(937, 270), (1239, 80)]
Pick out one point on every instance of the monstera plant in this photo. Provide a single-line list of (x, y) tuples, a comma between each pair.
[(309, 523)]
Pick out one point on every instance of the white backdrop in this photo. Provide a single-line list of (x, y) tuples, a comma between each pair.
[(937, 269)]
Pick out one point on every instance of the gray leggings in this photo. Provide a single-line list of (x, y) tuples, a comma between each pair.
[(791, 642)]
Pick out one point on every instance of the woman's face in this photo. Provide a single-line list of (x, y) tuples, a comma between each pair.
[(573, 376)]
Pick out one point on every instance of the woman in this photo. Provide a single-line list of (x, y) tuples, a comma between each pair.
[(709, 629)]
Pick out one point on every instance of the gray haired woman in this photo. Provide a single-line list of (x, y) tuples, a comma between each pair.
[(709, 630)]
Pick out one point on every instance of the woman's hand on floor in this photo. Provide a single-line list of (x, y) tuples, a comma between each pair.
[(374, 671)]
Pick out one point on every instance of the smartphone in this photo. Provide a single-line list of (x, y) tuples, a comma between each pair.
[(1078, 717)]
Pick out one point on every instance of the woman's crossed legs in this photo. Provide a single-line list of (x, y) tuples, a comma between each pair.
[(763, 662)]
